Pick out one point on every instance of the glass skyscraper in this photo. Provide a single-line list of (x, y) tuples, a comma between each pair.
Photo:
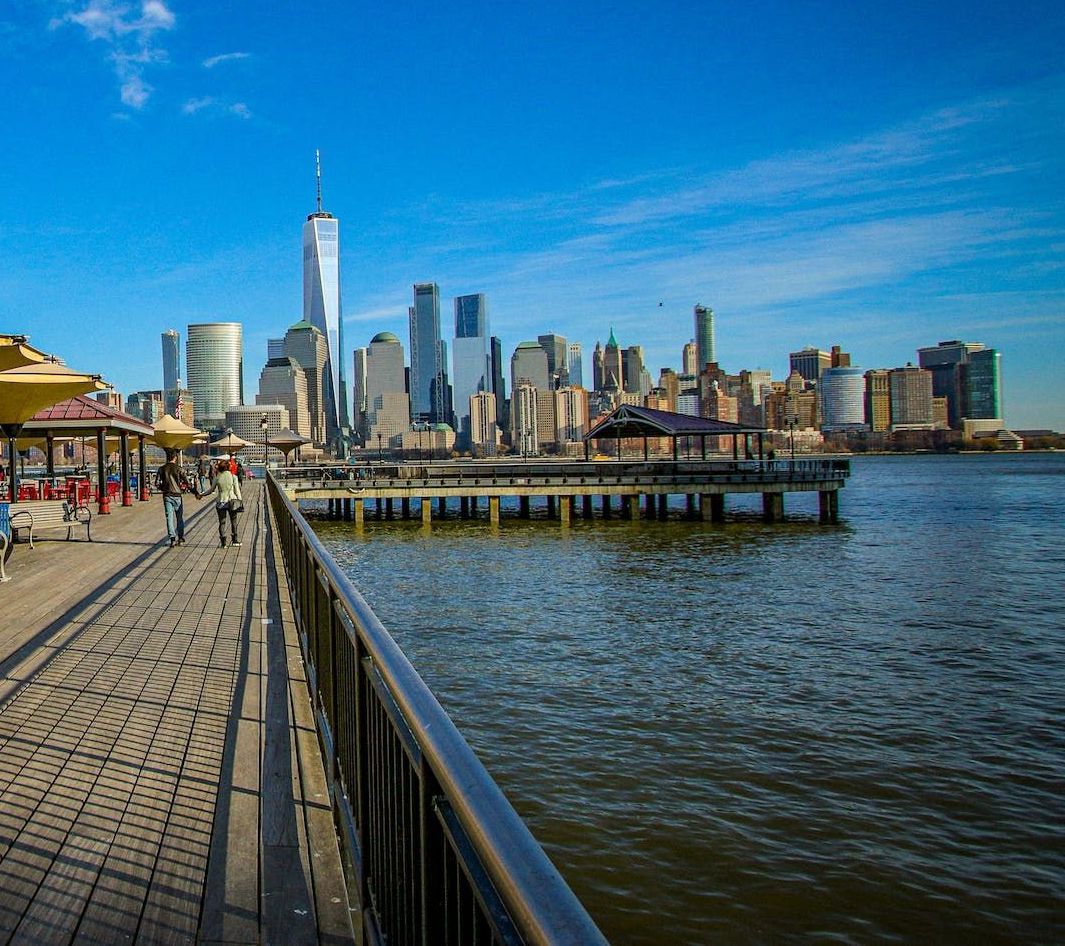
[(214, 361), (705, 350), (426, 364), (471, 358), (171, 360), (321, 308)]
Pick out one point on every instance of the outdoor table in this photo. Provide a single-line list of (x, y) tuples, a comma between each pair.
[(28, 491)]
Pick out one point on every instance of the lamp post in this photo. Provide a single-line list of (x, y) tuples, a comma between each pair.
[(265, 425), (380, 449)]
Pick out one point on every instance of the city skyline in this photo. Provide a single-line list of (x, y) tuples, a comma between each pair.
[(811, 196)]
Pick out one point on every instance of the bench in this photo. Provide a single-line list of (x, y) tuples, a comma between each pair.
[(5, 538), (50, 514)]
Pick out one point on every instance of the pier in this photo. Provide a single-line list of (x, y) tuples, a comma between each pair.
[(565, 488), (206, 745)]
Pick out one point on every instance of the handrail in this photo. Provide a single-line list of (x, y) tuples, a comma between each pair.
[(539, 906)]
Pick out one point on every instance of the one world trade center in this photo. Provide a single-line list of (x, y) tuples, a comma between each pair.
[(321, 308)]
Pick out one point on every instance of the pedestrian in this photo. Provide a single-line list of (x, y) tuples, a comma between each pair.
[(240, 472), (229, 503), (170, 480), (233, 464), (203, 469)]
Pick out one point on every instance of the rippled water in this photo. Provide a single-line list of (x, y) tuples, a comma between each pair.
[(768, 733)]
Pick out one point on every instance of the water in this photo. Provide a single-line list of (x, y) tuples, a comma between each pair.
[(768, 733)]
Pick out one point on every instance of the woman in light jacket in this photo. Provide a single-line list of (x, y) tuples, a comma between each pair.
[(226, 490)]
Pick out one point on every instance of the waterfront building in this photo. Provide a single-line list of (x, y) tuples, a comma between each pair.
[(574, 361), (484, 429), (842, 393), (546, 425), (148, 406), (705, 349), (282, 381), (387, 402), (571, 414), (245, 420), (838, 358), (689, 358), (358, 394), (967, 374), (940, 413), (472, 360), (529, 363), (689, 402), (523, 412), (171, 360), (750, 389), (214, 362), (791, 404), (877, 400), (810, 363), (111, 399), (275, 348), (613, 375), (670, 385), (635, 378), (307, 345), (321, 307), (426, 363), (911, 398)]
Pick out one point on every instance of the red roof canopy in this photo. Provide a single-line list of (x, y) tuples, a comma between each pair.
[(84, 413)]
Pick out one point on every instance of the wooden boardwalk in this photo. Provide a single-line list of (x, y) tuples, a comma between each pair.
[(160, 779)]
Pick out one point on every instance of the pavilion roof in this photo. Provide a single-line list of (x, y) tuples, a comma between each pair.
[(82, 413), (631, 421)]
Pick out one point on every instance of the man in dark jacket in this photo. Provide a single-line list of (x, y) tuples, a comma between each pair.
[(171, 480)]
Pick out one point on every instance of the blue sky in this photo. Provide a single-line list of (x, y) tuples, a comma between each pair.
[(879, 176)]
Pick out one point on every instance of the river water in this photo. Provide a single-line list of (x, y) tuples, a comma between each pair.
[(750, 733)]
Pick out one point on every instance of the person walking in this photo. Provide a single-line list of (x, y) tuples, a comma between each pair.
[(170, 479), (203, 470), (228, 503)]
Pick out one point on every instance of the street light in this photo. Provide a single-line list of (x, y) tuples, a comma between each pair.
[(380, 449), (265, 425)]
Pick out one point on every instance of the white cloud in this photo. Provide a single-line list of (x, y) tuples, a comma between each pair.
[(210, 104), (131, 38), (213, 61)]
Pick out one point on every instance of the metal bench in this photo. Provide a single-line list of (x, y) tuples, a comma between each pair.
[(5, 538), (36, 516)]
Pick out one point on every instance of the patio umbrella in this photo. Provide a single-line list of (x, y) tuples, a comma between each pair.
[(286, 441), (231, 442), (173, 434), (15, 353), (29, 388)]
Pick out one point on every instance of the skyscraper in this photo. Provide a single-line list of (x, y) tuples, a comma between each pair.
[(282, 381), (689, 359), (529, 364), (810, 363), (967, 377), (171, 360), (471, 358), (842, 392), (705, 350), (613, 376), (877, 399), (574, 363), (555, 347), (214, 361), (387, 404), (307, 345), (499, 384), (911, 398), (321, 306), (426, 363)]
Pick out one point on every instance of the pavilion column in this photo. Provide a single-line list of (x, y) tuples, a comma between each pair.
[(735, 446), (676, 453), (12, 465), (127, 493), (586, 453), (702, 438), (49, 441), (646, 449), (101, 473), (142, 477), (761, 452)]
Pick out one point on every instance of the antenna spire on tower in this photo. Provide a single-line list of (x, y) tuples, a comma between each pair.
[(318, 174)]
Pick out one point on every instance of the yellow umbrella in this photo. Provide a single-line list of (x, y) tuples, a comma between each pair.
[(231, 442), (173, 434), (14, 352)]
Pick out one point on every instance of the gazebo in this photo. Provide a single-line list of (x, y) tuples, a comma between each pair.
[(646, 422), (81, 416)]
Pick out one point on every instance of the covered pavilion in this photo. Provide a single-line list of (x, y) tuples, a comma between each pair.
[(646, 422), (81, 416)]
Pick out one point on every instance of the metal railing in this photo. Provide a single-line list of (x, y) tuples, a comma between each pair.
[(436, 852)]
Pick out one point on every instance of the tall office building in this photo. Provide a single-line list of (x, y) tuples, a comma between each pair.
[(426, 363), (275, 348), (810, 363), (387, 403), (321, 307), (842, 393), (878, 399), (307, 345), (472, 360), (953, 378), (529, 364), (555, 348), (523, 411), (911, 398), (282, 381), (574, 360), (613, 375), (214, 362), (571, 414), (484, 430), (358, 395), (705, 350), (499, 384), (689, 358), (635, 378), (171, 360)]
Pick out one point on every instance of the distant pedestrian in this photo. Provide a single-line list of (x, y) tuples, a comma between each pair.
[(170, 480), (203, 473), (229, 502), (233, 464), (240, 472)]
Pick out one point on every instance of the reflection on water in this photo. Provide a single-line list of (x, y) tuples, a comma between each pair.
[(748, 733)]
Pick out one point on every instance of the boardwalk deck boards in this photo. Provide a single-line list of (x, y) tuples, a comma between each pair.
[(160, 779)]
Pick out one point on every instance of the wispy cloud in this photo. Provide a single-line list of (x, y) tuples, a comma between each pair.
[(213, 61), (130, 36), (210, 105)]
